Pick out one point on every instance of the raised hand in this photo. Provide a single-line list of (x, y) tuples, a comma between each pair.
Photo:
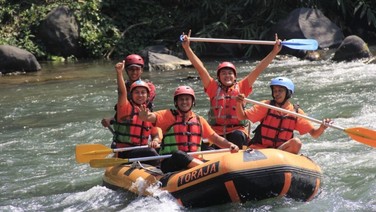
[(277, 46), (185, 39), (119, 67), (143, 112)]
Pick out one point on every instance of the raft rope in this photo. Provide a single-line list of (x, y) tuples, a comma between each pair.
[(138, 164)]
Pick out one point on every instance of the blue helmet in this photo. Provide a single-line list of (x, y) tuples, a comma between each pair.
[(284, 82)]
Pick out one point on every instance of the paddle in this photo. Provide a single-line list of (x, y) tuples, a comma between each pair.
[(300, 44), (106, 162), (361, 134), (111, 130), (87, 152)]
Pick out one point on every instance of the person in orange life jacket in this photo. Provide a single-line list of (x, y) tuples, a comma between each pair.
[(134, 65), (130, 130), (276, 129), (223, 91), (183, 131)]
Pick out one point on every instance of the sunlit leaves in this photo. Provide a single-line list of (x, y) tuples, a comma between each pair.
[(124, 27)]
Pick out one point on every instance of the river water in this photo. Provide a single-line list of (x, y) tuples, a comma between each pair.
[(45, 114)]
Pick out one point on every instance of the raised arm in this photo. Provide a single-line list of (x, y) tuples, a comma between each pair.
[(196, 62), (252, 76), (122, 90)]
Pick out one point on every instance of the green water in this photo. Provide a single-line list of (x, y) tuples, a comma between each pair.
[(45, 114)]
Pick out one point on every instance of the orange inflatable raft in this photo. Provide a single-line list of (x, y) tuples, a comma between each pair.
[(248, 175)]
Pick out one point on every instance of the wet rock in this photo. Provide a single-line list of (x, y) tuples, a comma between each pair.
[(313, 56), (59, 32), (165, 62), (307, 23), (371, 61), (352, 48), (14, 59), (311, 24)]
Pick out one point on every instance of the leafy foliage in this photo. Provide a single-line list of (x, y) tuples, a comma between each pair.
[(113, 28), (97, 33)]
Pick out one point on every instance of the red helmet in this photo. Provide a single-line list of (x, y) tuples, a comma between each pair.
[(226, 65), (184, 90), (139, 83), (134, 59)]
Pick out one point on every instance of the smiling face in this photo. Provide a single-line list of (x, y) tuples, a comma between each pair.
[(184, 102), (279, 93), (139, 95), (134, 73), (227, 77)]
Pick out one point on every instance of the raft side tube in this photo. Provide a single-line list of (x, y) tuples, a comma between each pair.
[(251, 185), (252, 175), (239, 177)]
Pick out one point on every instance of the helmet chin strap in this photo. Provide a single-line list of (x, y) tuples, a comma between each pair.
[(284, 101)]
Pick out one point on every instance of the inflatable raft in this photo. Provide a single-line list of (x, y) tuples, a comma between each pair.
[(244, 176)]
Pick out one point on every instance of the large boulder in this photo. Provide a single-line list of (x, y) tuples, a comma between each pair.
[(160, 58), (14, 59), (144, 53), (165, 62), (352, 48), (59, 32), (306, 23)]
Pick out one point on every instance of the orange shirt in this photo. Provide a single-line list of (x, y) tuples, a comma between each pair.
[(211, 91), (165, 119), (257, 113)]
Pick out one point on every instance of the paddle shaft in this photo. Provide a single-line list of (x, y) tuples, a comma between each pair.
[(111, 130), (88, 152), (298, 44), (130, 160), (106, 162), (129, 148), (237, 41), (291, 112)]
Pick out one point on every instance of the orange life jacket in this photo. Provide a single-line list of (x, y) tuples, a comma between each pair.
[(275, 129), (184, 135), (133, 131), (223, 108)]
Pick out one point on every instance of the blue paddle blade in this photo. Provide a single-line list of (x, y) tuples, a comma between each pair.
[(301, 44)]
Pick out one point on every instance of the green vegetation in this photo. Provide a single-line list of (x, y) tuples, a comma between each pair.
[(113, 28)]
